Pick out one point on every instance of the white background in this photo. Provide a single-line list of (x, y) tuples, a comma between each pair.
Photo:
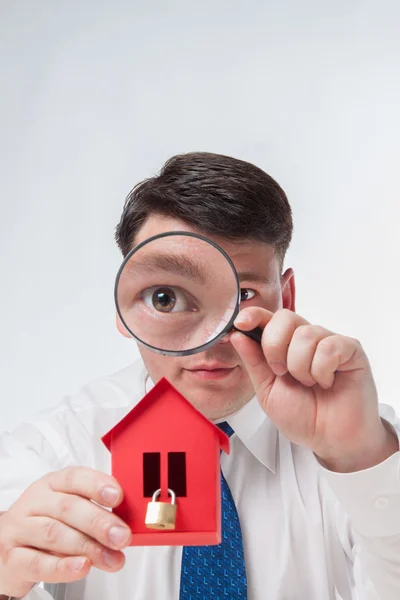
[(96, 95)]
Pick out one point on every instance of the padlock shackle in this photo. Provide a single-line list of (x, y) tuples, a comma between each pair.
[(170, 492)]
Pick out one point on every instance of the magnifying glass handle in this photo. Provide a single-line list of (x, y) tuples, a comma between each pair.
[(254, 334)]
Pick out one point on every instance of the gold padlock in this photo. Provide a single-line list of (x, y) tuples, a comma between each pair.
[(161, 515)]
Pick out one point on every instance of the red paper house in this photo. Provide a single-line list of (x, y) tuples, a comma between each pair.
[(164, 442)]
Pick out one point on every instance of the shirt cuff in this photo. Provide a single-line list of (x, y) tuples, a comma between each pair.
[(371, 498)]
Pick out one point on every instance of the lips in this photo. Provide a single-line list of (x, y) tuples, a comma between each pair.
[(211, 367), (211, 371)]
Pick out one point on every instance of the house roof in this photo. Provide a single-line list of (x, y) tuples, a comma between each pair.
[(148, 400)]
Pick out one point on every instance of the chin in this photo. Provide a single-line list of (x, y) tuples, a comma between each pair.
[(213, 402)]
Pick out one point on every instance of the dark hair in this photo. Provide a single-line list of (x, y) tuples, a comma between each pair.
[(218, 195)]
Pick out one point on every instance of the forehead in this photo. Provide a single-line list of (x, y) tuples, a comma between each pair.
[(247, 256)]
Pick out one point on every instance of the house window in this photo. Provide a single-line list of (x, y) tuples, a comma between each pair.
[(151, 473), (177, 472)]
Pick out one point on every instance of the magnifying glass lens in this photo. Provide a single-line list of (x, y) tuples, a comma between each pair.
[(176, 293)]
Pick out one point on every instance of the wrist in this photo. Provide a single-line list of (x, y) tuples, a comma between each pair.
[(363, 456), (16, 593)]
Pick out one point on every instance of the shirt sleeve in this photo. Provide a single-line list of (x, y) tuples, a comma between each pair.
[(371, 499), (25, 456), (36, 593)]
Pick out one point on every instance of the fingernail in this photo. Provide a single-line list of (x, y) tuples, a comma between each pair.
[(77, 564), (110, 559), (110, 494), (119, 535), (279, 368)]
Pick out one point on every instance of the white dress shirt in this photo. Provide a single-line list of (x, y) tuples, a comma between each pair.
[(308, 533)]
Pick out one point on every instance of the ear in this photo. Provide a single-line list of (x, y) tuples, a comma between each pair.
[(121, 327), (288, 287)]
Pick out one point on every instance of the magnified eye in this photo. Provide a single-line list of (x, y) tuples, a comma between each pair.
[(246, 294), (166, 299)]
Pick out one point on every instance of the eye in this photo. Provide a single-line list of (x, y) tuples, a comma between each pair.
[(166, 299), (246, 294)]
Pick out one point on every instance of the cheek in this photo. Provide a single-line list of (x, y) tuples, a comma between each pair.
[(271, 301), (159, 366)]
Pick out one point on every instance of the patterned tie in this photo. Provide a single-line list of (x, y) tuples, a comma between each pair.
[(217, 572)]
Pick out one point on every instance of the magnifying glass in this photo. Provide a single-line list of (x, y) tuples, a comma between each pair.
[(178, 293)]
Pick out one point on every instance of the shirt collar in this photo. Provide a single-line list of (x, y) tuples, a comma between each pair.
[(257, 432), (252, 426)]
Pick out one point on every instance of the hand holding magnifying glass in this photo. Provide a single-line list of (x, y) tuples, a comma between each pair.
[(178, 293)]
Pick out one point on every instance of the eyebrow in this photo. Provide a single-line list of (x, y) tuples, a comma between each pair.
[(254, 277), (171, 263)]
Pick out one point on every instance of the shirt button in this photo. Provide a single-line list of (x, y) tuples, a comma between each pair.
[(381, 502)]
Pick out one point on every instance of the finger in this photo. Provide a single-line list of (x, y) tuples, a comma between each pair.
[(48, 534), (34, 566), (88, 483), (277, 337), (278, 331), (301, 352), (250, 352), (334, 353), (84, 516), (252, 317)]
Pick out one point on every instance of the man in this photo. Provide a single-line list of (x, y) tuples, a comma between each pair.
[(314, 463)]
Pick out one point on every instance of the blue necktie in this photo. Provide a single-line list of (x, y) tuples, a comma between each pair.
[(217, 572)]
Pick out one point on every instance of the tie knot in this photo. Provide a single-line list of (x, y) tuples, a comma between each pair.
[(226, 428)]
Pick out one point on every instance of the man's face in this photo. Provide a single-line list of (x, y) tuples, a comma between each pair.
[(215, 381)]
